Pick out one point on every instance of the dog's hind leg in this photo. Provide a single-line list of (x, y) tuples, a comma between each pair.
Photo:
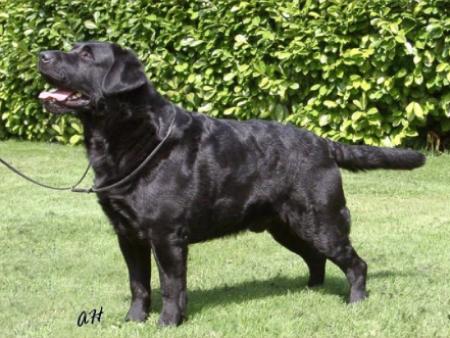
[(329, 236), (346, 258), (313, 259), (323, 221)]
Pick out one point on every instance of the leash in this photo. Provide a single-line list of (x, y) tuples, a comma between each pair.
[(93, 188), (18, 172)]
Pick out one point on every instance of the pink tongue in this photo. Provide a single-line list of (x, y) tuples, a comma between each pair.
[(57, 94)]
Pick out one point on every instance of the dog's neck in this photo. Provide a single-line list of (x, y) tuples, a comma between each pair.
[(123, 131)]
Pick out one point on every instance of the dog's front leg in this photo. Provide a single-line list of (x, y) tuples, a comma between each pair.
[(137, 256), (171, 258)]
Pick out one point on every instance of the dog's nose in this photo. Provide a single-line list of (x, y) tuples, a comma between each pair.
[(46, 56)]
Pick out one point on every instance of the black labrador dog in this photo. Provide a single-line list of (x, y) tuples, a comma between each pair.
[(208, 178)]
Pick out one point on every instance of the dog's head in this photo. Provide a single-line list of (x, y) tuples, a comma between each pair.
[(89, 72)]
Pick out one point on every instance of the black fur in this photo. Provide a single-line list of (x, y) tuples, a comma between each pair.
[(212, 178), (356, 158)]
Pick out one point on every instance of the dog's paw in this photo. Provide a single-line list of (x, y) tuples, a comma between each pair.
[(137, 313), (357, 296), (170, 319)]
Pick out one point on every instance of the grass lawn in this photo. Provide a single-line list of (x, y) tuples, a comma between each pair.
[(59, 256)]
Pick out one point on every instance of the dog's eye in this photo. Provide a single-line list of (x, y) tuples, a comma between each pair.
[(85, 54)]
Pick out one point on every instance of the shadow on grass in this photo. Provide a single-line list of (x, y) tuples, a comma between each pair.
[(258, 289)]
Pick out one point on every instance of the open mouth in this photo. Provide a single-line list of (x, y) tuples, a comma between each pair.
[(64, 98)]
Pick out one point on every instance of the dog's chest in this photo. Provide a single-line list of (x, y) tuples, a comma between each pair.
[(125, 216)]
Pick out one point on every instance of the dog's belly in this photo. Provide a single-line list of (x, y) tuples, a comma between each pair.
[(228, 216), (199, 223), (214, 231)]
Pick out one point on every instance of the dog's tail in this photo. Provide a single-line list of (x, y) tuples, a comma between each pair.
[(357, 158)]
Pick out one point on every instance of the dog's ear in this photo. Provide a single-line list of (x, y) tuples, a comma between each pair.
[(126, 73)]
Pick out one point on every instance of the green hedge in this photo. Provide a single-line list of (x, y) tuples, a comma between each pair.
[(373, 71)]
